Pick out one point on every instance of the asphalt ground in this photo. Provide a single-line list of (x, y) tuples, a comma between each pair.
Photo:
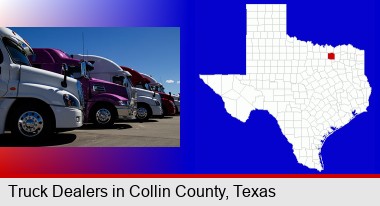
[(157, 132)]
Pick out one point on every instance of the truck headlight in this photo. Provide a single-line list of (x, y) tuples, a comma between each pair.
[(70, 101)]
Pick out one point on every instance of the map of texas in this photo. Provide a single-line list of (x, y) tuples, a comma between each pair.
[(312, 90)]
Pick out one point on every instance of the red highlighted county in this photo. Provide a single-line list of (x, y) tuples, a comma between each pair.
[(310, 96), (331, 56)]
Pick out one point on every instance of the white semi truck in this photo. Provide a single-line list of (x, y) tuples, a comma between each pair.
[(148, 102), (34, 103)]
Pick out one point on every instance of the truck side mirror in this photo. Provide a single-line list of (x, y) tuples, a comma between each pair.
[(154, 93), (83, 70), (86, 66), (170, 93), (65, 70)]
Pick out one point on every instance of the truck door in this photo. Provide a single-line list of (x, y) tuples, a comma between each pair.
[(3, 75)]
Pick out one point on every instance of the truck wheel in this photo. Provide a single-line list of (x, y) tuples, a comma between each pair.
[(143, 113), (104, 116), (31, 123)]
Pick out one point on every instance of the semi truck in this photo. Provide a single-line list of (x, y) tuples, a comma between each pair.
[(105, 102), (148, 103), (173, 101), (34, 103)]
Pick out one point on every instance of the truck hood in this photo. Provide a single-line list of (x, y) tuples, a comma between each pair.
[(95, 80), (38, 76), (146, 93)]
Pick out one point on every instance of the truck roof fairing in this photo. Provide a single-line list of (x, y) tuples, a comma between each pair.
[(151, 79), (102, 64)]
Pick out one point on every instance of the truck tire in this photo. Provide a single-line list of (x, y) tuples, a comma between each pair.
[(31, 123), (143, 112), (103, 116)]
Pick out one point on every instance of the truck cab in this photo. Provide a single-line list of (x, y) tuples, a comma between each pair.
[(148, 103), (171, 106), (105, 102), (34, 103)]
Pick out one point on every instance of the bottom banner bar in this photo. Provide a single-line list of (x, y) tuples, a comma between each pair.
[(185, 191)]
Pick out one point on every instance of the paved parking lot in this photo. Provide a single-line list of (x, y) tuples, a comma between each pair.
[(163, 132)]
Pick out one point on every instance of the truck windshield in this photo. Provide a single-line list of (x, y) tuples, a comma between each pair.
[(75, 72), (153, 88), (158, 88), (120, 80), (146, 86), (75, 75), (16, 52), (162, 89)]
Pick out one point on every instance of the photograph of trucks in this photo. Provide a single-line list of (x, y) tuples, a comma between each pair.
[(45, 92)]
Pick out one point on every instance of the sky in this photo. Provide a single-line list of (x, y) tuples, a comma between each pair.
[(151, 50)]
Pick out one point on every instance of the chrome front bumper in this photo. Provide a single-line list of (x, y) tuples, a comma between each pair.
[(126, 112)]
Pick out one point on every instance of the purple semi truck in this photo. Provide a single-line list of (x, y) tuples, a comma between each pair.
[(105, 102)]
